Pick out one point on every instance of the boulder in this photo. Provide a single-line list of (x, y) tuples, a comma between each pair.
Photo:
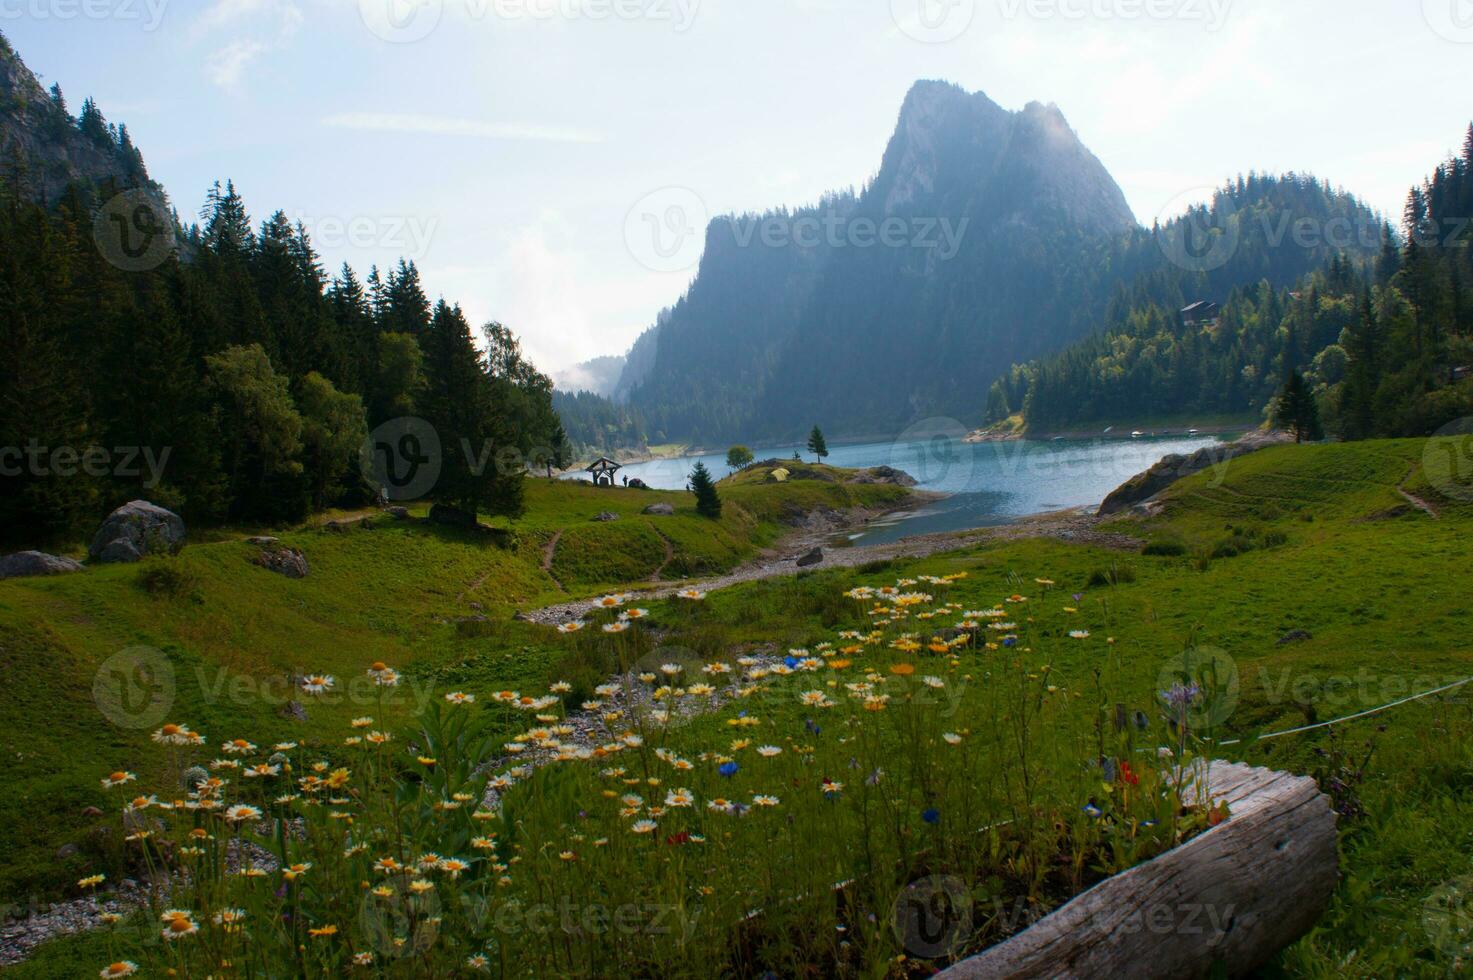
[(136, 529), (397, 513), (1295, 636), (661, 510), (24, 564), (262, 542), (637, 484), (1144, 486), (451, 516), (813, 557), (284, 561), (884, 474), (606, 516)]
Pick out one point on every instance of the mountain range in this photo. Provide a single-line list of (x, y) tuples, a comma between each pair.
[(1010, 240)]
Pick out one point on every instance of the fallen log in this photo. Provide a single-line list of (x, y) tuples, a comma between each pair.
[(1226, 900)]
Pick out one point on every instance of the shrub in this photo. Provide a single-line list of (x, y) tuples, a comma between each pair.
[(167, 578), (1165, 547)]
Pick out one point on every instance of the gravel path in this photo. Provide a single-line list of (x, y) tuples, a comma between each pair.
[(1078, 525)]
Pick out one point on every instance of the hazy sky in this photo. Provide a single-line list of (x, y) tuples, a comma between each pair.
[(504, 145)]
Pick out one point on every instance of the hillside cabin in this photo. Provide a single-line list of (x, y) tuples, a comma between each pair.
[(1202, 313), (603, 470)]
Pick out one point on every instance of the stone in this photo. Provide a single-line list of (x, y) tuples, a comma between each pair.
[(661, 510), (1144, 486), (92, 812), (813, 557), (67, 850), (262, 542), (452, 516), (136, 529), (884, 474), (637, 484), (1294, 636), (397, 513), (606, 516), (284, 561), (24, 564)]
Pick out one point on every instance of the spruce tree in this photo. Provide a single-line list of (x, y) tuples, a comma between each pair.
[(816, 445), (708, 502), (1296, 410)]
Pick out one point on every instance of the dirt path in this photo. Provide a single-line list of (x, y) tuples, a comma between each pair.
[(669, 557), (1068, 525), (1415, 501)]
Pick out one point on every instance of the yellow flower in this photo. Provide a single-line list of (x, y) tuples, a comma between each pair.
[(122, 968), (902, 670), (118, 779), (323, 932), (91, 881)]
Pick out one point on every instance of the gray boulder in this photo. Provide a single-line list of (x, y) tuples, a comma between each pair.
[(136, 529), (884, 474), (25, 564), (284, 561), (397, 513), (661, 510), (606, 516), (1144, 486), (813, 557)]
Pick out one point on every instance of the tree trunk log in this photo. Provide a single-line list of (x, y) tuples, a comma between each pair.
[(1234, 895)]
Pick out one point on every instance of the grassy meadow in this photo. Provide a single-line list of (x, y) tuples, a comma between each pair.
[(878, 726)]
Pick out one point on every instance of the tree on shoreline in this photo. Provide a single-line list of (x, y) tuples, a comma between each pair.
[(708, 502), (816, 445), (738, 458)]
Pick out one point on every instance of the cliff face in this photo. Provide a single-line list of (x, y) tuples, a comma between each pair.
[(43, 148), (975, 246)]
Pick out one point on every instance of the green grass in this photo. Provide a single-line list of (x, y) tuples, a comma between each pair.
[(433, 601), (1329, 547)]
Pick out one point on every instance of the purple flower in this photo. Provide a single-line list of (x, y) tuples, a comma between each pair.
[(931, 815), (1181, 696), (813, 728)]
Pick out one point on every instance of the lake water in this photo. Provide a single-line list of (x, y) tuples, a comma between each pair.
[(986, 483)]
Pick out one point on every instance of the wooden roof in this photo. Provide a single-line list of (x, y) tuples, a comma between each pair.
[(602, 464)]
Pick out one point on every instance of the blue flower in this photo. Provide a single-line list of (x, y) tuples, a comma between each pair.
[(1090, 810), (1009, 641), (791, 661), (931, 815), (808, 724), (728, 769), (1078, 596)]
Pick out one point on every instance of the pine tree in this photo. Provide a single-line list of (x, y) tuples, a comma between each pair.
[(816, 445), (1296, 410), (708, 502)]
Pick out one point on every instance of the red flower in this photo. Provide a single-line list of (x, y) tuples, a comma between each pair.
[(1128, 777), (681, 838)]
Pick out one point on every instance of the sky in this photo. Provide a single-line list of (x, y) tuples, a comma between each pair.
[(518, 150)]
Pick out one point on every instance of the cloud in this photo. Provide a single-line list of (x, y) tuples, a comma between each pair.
[(381, 122), (227, 66), (267, 24)]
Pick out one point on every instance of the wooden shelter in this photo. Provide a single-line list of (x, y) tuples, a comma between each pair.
[(603, 470)]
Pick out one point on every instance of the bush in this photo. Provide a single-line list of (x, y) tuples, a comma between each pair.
[(1116, 574), (167, 578), (1165, 547)]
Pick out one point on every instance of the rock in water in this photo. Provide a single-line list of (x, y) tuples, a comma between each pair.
[(136, 529), (24, 564), (661, 510), (813, 557), (284, 561), (884, 474)]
